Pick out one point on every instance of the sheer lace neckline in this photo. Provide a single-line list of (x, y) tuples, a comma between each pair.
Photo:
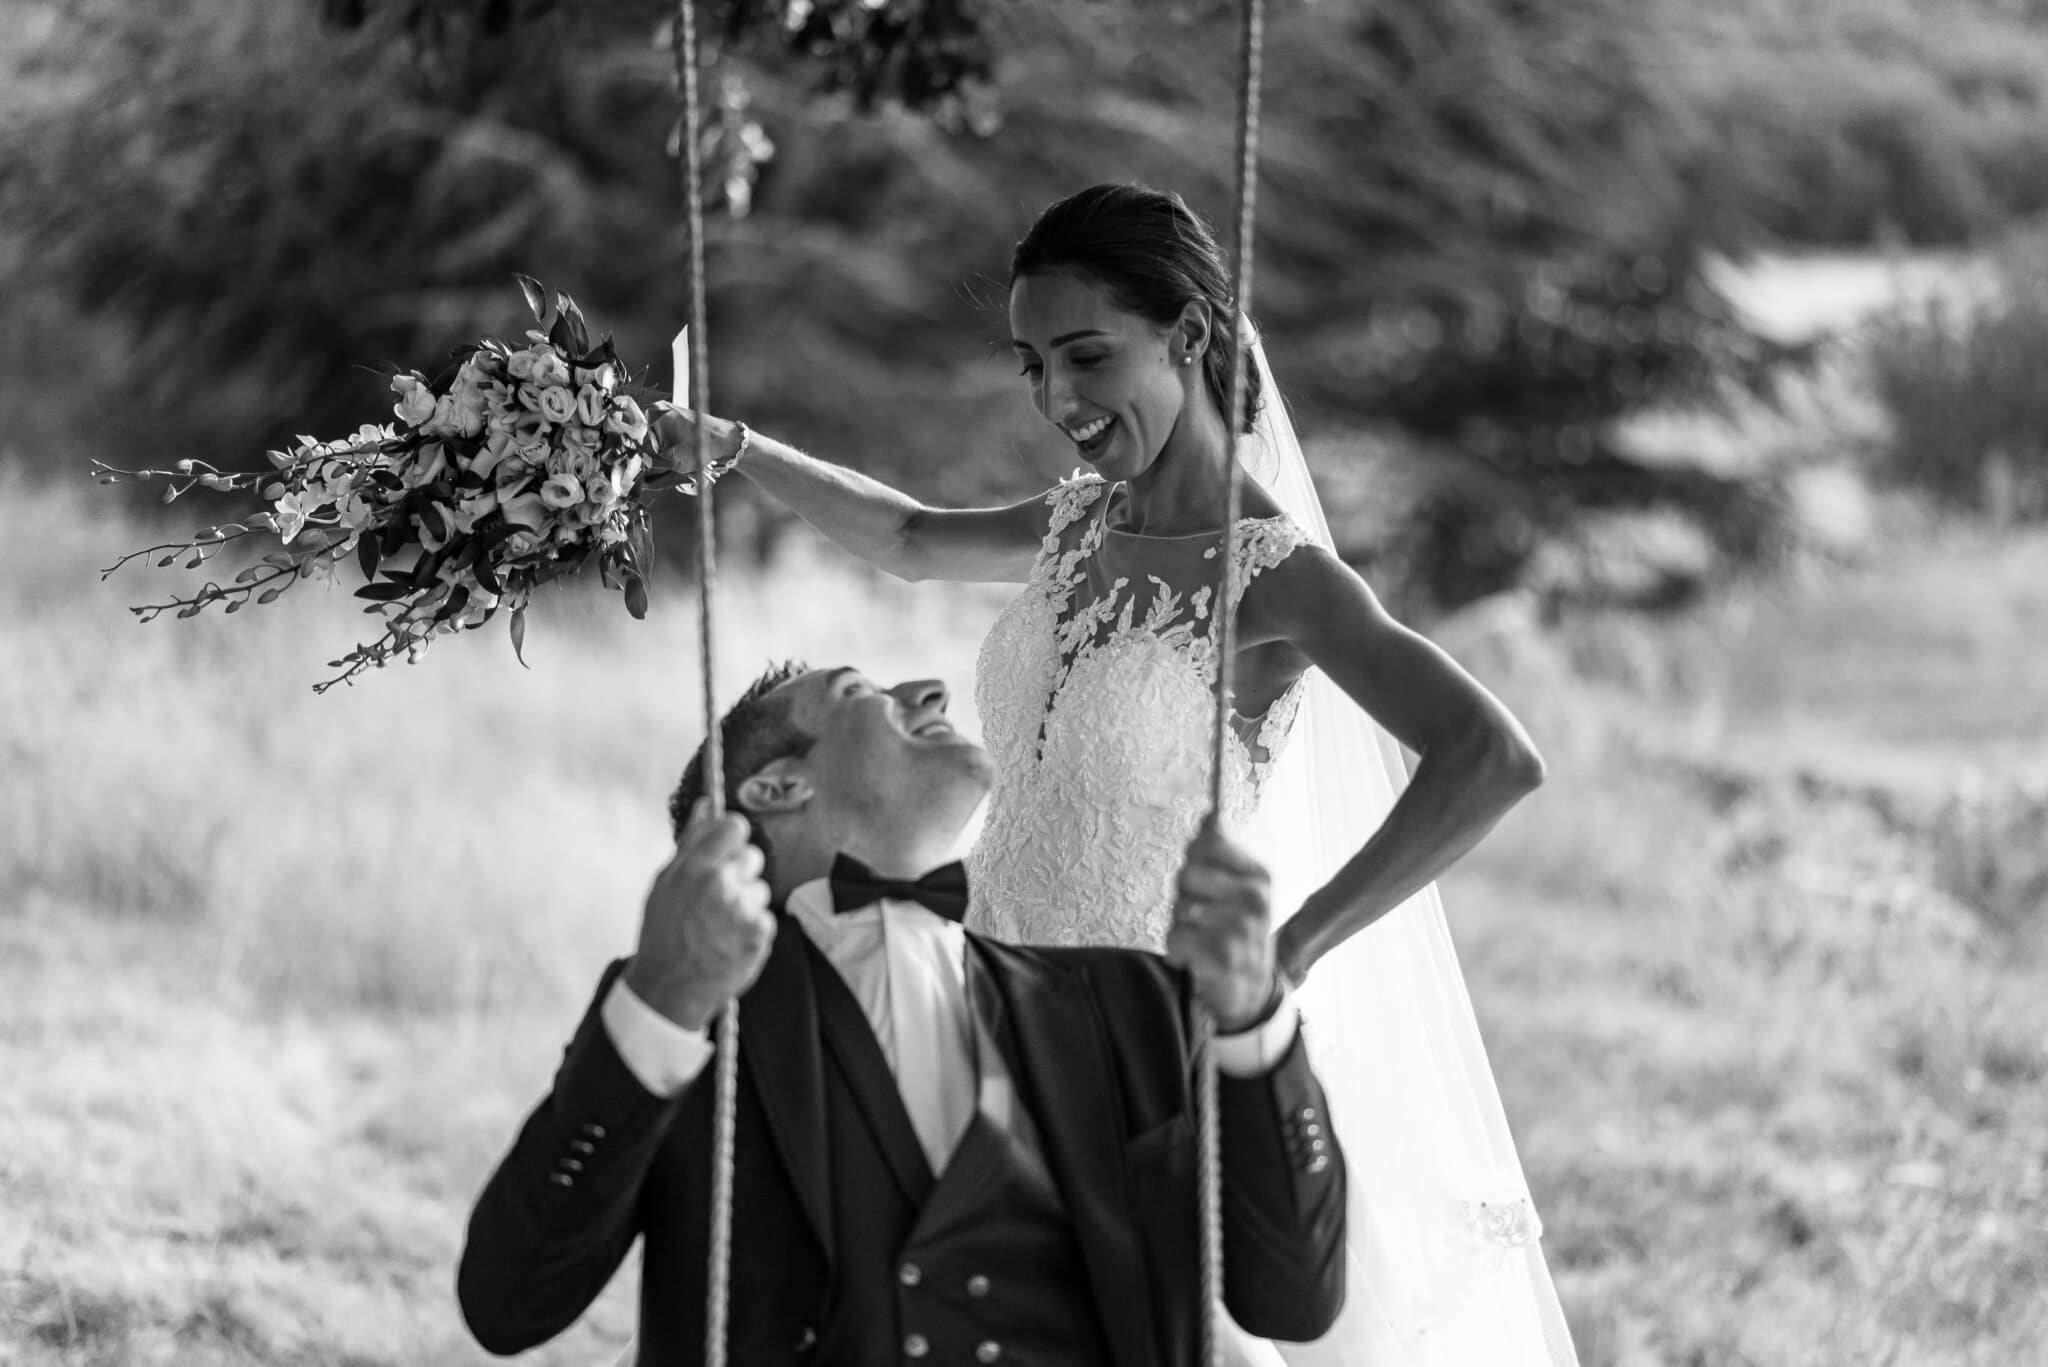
[(1118, 499)]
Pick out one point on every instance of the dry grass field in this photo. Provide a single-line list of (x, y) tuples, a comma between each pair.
[(280, 974)]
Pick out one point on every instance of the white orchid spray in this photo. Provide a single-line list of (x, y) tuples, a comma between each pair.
[(517, 465)]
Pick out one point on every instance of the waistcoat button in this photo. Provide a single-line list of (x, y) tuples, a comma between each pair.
[(989, 1351), (910, 1274), (977, 1286), (916, 1346)]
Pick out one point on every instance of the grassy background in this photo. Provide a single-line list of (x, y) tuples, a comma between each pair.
[(274, 995)]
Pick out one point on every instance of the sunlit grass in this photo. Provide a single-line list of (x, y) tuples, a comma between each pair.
[(279, 974)]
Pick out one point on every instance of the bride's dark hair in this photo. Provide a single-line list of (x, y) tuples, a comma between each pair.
[(1153, 254)]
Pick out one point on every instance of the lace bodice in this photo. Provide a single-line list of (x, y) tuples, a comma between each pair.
[(1095, 690)]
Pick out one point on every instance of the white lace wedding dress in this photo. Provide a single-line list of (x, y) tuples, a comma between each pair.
[(1094, 689)]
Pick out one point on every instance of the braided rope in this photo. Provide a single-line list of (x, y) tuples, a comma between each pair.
[(1225, 637), (718, 1292)]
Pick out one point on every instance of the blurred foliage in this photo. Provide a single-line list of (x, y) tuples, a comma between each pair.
[(1847, 122), (1482, 227), (1962, 383)]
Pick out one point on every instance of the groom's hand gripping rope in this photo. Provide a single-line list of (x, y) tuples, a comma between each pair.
[(706, 930), (1221, 932)]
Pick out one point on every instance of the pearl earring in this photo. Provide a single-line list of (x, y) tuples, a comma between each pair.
[(1187, 360)]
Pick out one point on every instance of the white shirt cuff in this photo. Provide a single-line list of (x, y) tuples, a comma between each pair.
[(1257, 1051), (664, 1056)]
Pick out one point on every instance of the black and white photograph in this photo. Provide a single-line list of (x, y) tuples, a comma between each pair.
[(1062, 683)]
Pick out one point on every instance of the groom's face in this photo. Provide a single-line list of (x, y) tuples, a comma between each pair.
[(883, 760)]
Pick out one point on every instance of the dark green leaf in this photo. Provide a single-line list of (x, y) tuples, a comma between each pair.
[(366, 557), (519, 636), (563, 335), (458, 599), (536, 296), (636, 596), (384, 593)]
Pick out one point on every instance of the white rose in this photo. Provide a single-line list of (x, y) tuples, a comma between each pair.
[(562, 491), (495, 448), (429, 465), (529, 398), (445, 422), (511, 474), (415, 401), (468, 411), (581, 464), (550, 369), (520, 365), (603, 493), (557, 404), (576, 437), (531, 431), (526, 511), (572, 522), (626, 419), (590, 404), (436, 526), (471, 511)]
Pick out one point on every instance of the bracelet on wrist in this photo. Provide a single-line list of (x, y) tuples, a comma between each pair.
[(717, 469)]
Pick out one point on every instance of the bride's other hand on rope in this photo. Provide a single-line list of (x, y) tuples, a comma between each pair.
[(706, 929), (882, 525)]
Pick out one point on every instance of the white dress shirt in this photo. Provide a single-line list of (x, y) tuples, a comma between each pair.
[(906, 966)]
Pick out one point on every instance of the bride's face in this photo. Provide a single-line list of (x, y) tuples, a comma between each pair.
[(1111, 381)]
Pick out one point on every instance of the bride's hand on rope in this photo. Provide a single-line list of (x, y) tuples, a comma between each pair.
[(1222, 933), (706, 930), (675, 437)]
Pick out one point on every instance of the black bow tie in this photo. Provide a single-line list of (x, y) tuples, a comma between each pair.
[(855, 885)]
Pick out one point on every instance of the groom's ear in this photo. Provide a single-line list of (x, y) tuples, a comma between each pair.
[(781, 786), (1191, 329)]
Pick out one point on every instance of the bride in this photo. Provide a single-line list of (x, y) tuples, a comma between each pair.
[(1094, 692)]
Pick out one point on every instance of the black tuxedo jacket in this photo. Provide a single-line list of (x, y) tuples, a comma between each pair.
[(1103, 1039)]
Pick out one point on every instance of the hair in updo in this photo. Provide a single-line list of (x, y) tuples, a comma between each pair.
[(1153, 254)]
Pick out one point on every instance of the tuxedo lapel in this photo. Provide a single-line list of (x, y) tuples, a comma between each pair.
[(780, 1053), (1064, 1078), (850, 1039)]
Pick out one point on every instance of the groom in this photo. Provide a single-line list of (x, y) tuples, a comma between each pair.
[(948, 1149)]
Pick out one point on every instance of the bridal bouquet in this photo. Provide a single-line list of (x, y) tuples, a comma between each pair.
[(515, 466)]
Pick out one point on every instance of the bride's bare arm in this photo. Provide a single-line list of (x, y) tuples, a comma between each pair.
[(1475, 762), (882, 525)]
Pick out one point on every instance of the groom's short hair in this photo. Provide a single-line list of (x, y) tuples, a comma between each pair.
[(756, 732)]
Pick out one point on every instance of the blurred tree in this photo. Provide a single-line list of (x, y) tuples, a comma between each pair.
[(1478, 225)]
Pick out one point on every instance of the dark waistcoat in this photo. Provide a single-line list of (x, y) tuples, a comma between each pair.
[(979, 1265)]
